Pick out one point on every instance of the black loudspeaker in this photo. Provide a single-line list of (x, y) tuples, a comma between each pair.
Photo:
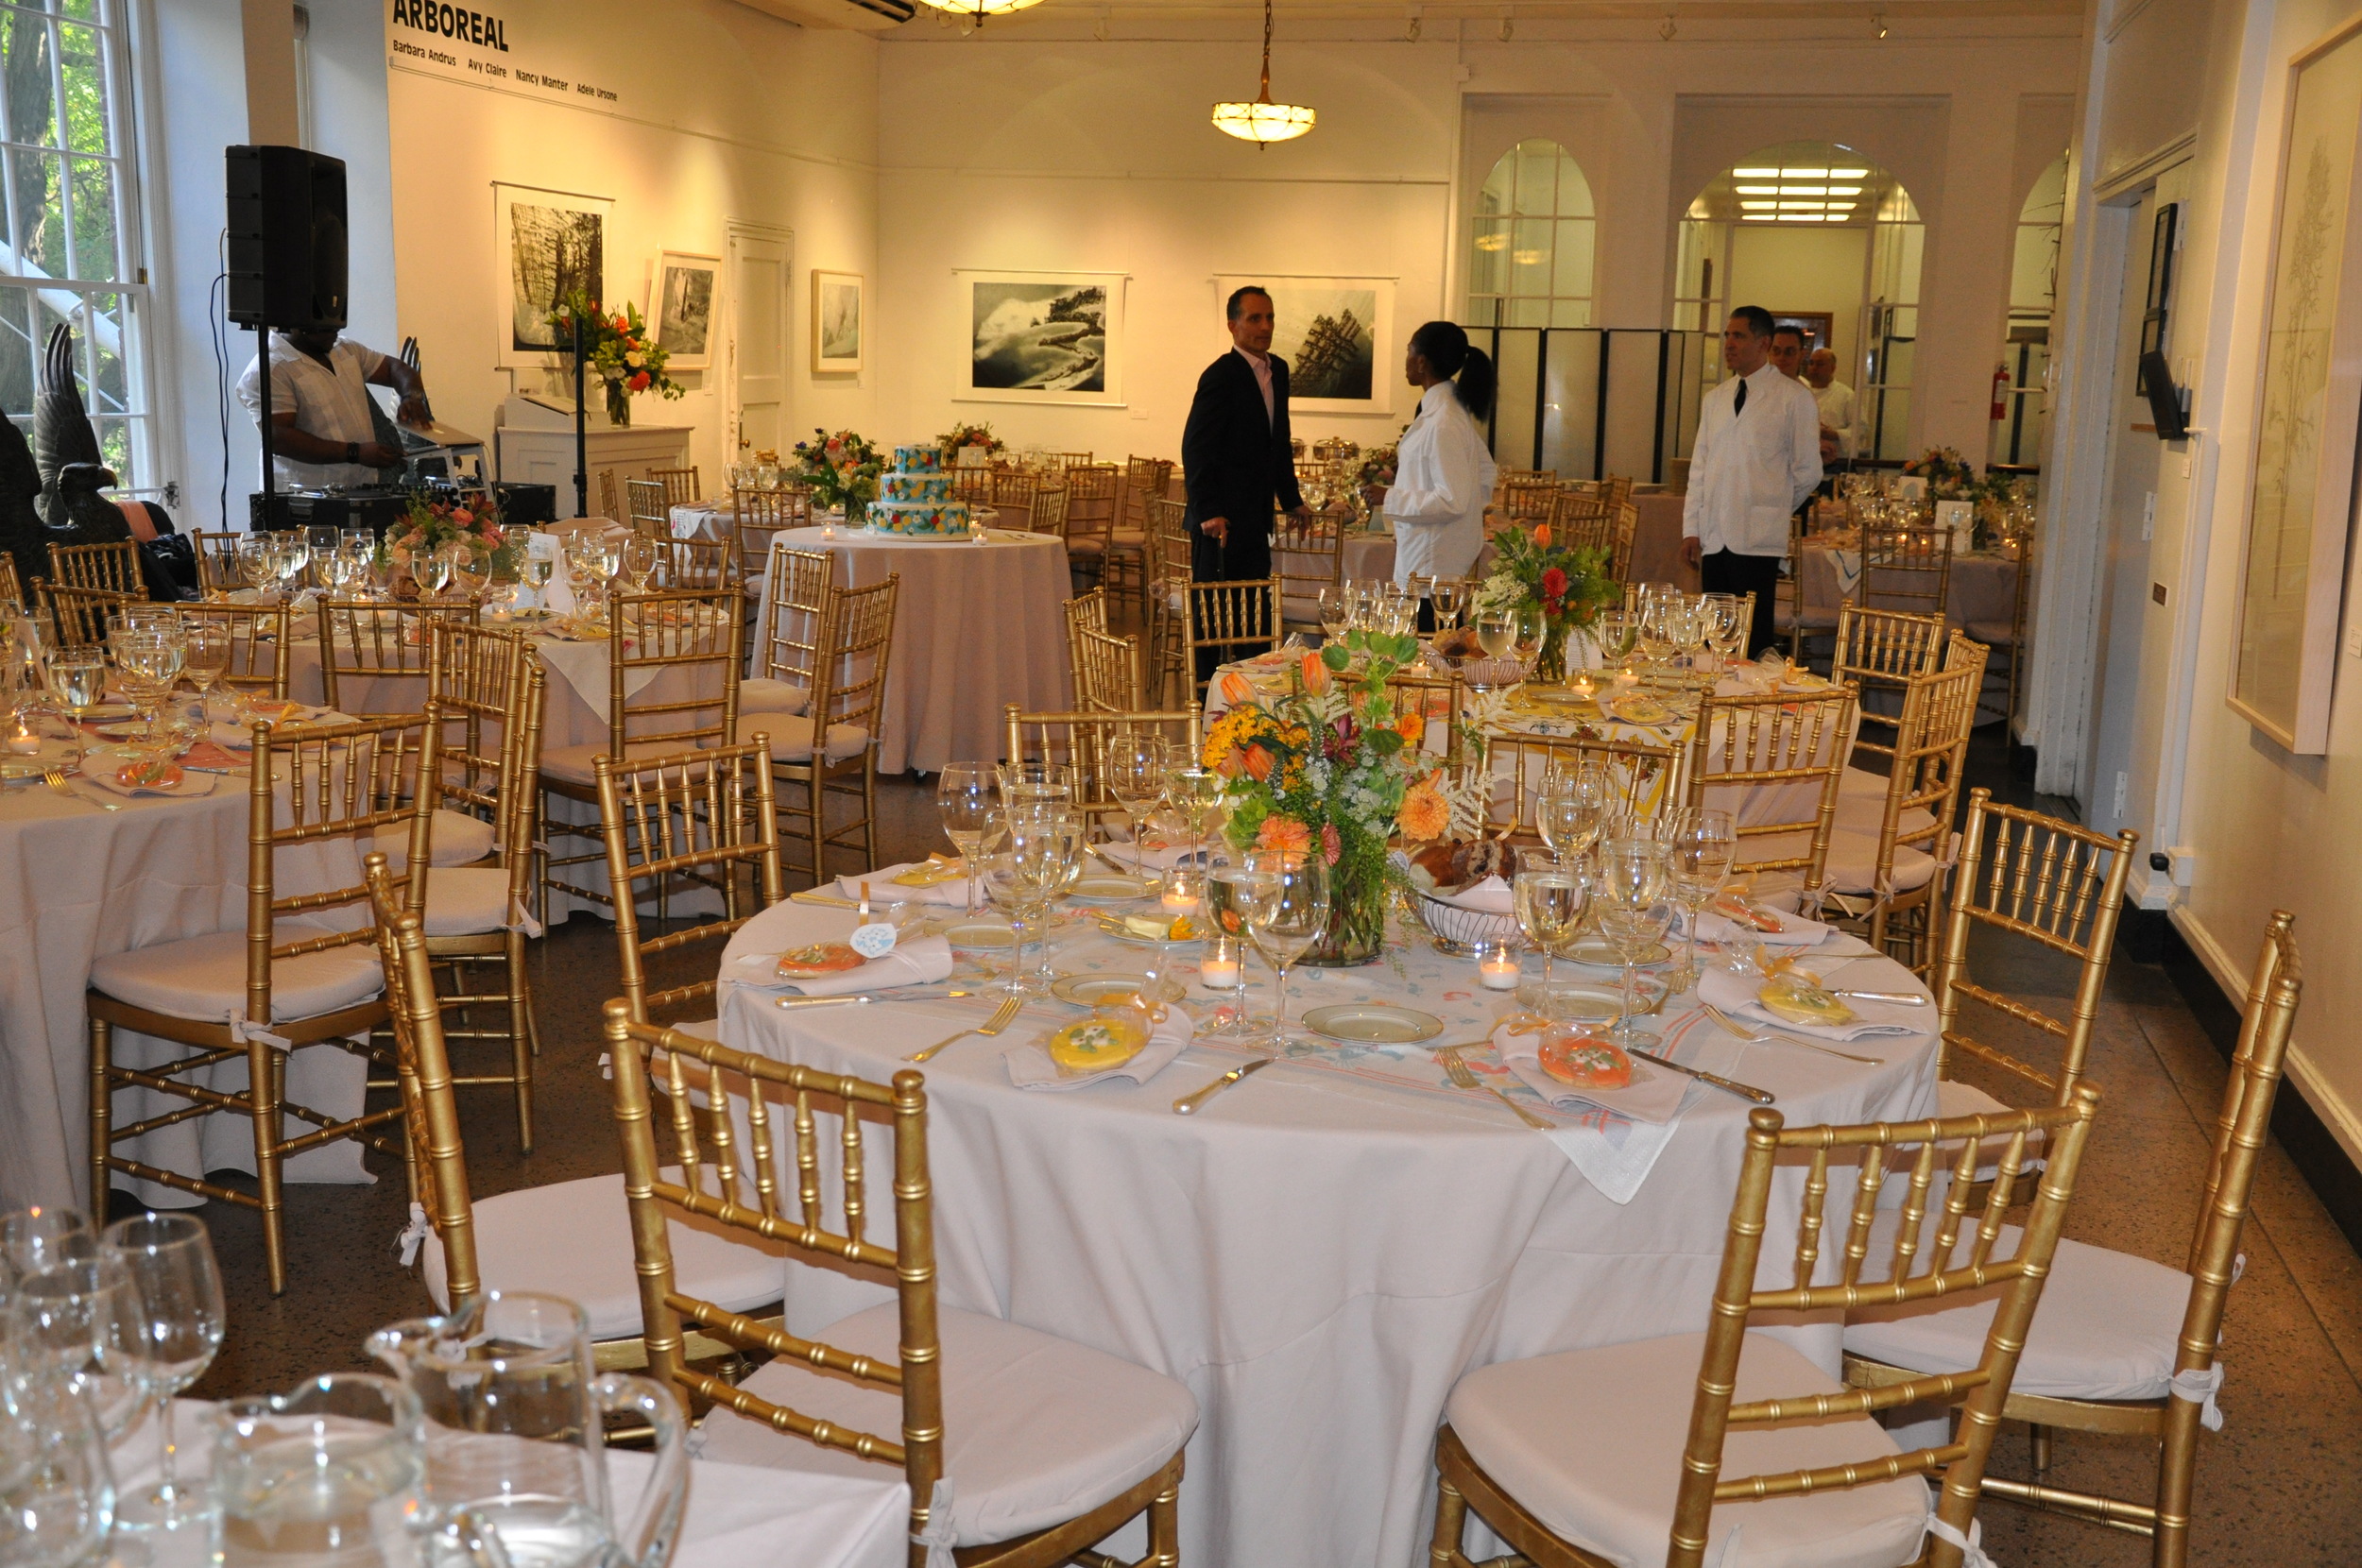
[(287, 239)]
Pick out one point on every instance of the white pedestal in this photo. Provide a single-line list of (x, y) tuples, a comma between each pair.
[(547, 456)]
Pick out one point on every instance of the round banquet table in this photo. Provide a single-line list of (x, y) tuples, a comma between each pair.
[(976, 627), (1322, 1251), (1981, 590)]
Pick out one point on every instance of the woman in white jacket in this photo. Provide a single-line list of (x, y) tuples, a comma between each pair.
[(1443, 472)]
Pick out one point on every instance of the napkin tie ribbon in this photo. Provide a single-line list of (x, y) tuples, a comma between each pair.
[(2200, 1386), (413, 1236), (1971, 1554), (247, 1034), (938, 1536)]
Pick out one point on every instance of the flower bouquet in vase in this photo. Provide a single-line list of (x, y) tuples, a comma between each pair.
[(841, 471), (617, 352), (433, 530), (1565, 584), (968, 446), (1331, 767)]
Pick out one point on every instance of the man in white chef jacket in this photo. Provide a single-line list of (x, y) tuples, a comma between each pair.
[(1757, 457), (1836, 399)]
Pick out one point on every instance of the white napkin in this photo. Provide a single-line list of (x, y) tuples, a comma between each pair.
[(190, 784), (1653, 1096), (884, 889), (1736, 995), (921, 960), (1030, 1067), (1848, 565), (1159, 859), (1490, 896), (1795, 931)]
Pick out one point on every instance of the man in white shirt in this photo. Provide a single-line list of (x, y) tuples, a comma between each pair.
[(1836, 399), (321, 434), (1757, 457)]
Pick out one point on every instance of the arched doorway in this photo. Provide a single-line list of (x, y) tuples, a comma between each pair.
[(1530, 240), (1818, 233), (2026, 337)]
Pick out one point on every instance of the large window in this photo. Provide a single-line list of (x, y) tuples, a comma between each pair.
[(1529, 245), (68, 239)]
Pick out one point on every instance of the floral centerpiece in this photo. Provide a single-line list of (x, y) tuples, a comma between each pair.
[(1567, 585), (841, 470), (1378, 466), (474, 524), (616, 351), (1331, 767), (1949, 476), (959, 436)]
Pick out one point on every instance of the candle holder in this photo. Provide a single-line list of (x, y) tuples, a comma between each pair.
[(1184, 891), (1222, 969), (1496, 967)]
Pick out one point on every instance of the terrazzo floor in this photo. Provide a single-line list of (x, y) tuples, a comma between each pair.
[(2275, 1487)]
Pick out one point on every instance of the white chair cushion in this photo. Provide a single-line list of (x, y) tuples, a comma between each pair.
[(791, 737), (1966, 1099), (454, 839), (2105, 1327), (1037, 1429), (572, 764), (1853, 866), (762, 694), (466, 900), (203, 977), (1589, 1441), (1992, 634), (574, 1240)]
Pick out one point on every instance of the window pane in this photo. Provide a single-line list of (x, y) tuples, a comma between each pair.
[(1573, 266), (1537, 179), (1574, 192), (24, 44), (16, 350), (95, 219), (100, 330), (33, 186), (1488, 257), (114, 448), (1530, 257), (85, 88), (86, 10), (1499, 184), (1527, 312)]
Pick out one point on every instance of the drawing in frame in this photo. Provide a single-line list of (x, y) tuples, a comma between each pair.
[(545, 244), (682, 302), (1041, 337), (1337, 338), (840, 312), (2300, 492)]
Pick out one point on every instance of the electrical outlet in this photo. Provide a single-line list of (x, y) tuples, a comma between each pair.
[(2354, 640), (2149, 517), (2124, 783)]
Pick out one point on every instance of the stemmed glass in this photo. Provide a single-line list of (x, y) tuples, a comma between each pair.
[(1571, 806), (149, 662), (170, 1261), (77, 1320), (293, 555), (321, 542), (1548, 896), (1629, 894), (640, 562), (433, 569), (205, 657), (964, 800), (1133, 769), (1698, 855), (253, 556), (1336, 610), (1284, 897), (1194, 792), (78, 679), (474, 569), (1727, 634), (57, 1490), (1446, 595)]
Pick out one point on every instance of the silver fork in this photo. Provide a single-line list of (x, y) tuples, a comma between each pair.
[(57, 781), (1458, 1070), (993, 1025)]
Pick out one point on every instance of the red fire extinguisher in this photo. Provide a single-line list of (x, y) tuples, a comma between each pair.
[(2001, 392)]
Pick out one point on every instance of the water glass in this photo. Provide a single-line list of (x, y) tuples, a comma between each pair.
[(41, 1237), (169, 1259), (963, 799), (1700, 848), (1628, 892), (331, 1476), (1548, 896), (1285, 897), (56, 1492)]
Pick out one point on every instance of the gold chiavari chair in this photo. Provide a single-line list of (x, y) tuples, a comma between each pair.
[(1648, 780), (1047, 512), (1907, 568), (569, 1238), (1893, 838), (1225, 622), (798, 585), (1013, 490), (218, 569), (1168, 590), (2123, 1345), (11, 584), (372, 653), (1130, 549), (1058, 462), (80, 614), (756, 515), (1308, 555), (1145, 479), (1778, 764), (2008, 639), (1440, 701), (681, 487), (1081, 738), (673, 673), (303, 973), (258, 644), (971, 486), (1107, 672), (704, 564), (114, 566), (610, 508), (832, 751), (1102, 1435), (1881, 651), (697, 820), (1576, 508), (1528, 499), (1522, 1447), (1084, 611), (1090, 516), (476, 678), (651, 511)]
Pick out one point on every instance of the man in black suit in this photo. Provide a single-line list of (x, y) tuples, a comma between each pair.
[(1235, 453)]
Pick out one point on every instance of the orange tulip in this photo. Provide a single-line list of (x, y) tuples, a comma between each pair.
[(1542, 535), (1259, 764), (1235, 688), (1315, 674)]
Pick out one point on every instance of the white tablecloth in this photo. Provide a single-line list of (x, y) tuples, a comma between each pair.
[(1322, 1251), (976, 627)]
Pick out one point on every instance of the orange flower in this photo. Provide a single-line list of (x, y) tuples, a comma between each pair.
[(1315, 674), (1424, 813), (1231, 764), (1285, 834), (1411, 727), (1542, 535), (1259, 764), (1233, 687)]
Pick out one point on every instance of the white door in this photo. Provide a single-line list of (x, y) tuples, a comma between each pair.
[(759, 314)]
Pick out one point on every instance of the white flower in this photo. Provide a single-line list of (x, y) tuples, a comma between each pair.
[(635, 359)]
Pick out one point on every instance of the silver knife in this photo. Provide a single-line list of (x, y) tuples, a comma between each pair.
[(1744, 1091), (1191, 1101)]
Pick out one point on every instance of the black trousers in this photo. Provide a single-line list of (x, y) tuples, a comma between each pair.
[(1244, 556), (1728, 571)]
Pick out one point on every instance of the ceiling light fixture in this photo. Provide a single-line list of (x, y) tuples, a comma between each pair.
[(1756, 174), (1666, 28), (975, 11), (1879, 19), (1263, 122), (1849, 173), (1509, 25), (1410, 28), (1491, 241)]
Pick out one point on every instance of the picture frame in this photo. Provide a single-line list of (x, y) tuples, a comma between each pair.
[(1348, 326), (546, 243), (684, 297), (840, 321), (2300, 513), (1047, 338)]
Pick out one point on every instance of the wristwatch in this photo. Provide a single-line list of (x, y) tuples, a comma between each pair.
[(353, 452)]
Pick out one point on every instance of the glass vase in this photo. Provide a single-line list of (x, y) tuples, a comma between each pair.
[(1549, 666), (1357, 895), (618, 403)]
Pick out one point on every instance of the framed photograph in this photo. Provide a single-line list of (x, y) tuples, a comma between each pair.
[(1042, 337), (545, 245), (839, 319), (1336, 335), (680, 307)]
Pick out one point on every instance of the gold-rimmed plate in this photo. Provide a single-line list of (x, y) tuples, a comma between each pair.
[(1097, 990), (1110, 888), (1374, 1024), (979, 935), (1595, 951)]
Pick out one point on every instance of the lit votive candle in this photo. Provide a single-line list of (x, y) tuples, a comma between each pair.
[(1181, 894), (1498, 971), (22, 740), (1218, 971)]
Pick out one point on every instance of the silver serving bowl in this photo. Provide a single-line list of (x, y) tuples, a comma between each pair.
[(1459, 932)]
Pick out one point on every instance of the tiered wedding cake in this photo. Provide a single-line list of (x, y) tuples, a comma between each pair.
[(915, 496)]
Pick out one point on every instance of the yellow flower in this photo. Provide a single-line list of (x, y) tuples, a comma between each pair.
[(1424, 813)]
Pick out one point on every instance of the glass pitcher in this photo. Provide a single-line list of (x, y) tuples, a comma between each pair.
[(327, 1476), (514, 1452)]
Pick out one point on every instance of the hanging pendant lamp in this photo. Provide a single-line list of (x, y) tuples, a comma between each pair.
[(1263, 121), (976, 10)]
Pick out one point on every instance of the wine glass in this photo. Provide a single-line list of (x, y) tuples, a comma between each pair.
[(170, 1260), (1701, 846), (321, 542), (1547, 896), (77, 1321), (1570, 807), (432, 569), (640, 562), (57, 1491), (1336, 611), (1629, 895), (1446, 596), (1133, 769), (473, 568), (964, 800), (293, 556), (1285, 897), (1194, 792), (1618, 632), (1526, 642), (1727, 634), (1497, 632), (77, 678), (41, 1237)]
